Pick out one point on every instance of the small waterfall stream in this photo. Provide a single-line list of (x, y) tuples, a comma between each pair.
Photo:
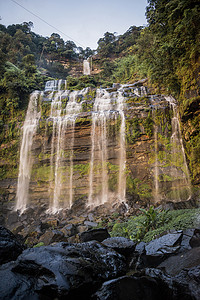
[(56, 109), (62, 120), (181, 180), (86, 67), (156, 169), (29, 129), (122, 150), (101, 113), (106, 107)]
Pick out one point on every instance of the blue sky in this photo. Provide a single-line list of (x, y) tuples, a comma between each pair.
[(83, 21)]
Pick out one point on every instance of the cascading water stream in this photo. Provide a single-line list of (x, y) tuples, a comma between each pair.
[(100, 115), (86, 67), (182, 181), (56, 109), (156, 169), (104, 111), (63, 119), (72, 109), (122, 150), (25, 165)]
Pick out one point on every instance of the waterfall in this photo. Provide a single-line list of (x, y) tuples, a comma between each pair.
[(100, 115), (63, 119), (55, 85), (106, 107), (156, 169), (72, 109), (25, 164), (86, 67), (181, 185), (106, 139), (56, 109), (122, 149)]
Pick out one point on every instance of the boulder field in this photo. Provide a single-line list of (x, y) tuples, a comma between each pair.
[(113, 269)]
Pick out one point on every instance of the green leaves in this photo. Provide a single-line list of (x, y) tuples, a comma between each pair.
[(152, 222), (124, 69)]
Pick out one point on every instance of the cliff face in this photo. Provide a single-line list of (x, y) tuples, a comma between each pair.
[(82, 154)]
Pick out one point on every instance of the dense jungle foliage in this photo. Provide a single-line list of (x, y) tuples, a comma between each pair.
[(166, 51)]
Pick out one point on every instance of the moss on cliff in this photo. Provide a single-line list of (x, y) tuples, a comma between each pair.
[(190, 117), (10, 133)]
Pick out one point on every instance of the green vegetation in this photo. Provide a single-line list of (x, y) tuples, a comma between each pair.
[(137, 188), (154, 222), (191, 132), (132, 130), (42, 173), (113, 173), (166, 51), (28, 60), (81, 82), (148, 125), (82, 169), (38, 245)]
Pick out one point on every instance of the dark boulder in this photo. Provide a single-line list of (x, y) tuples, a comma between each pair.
[(130, 288), (98, 234), (90, 224), (195, 239), (190, 239), (159, 249), (140, 248), (10, 247), (122, 245), (12, 219), (184, 286), (52, 236), (174, 264), (62, 271), (69, 230)]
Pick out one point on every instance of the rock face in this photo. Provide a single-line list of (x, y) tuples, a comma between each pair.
[(60, 271), (10, 247), (147, 135)]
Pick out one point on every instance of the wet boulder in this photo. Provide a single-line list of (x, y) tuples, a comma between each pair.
[(98, 234), (10, 247), (90, 224), (159, 249), (69, 230), (184, 286), (129, 288), (174, 264), (122, 245), (190, 239), (195, 239), (156, 251), (52, 236), (59, 271)]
